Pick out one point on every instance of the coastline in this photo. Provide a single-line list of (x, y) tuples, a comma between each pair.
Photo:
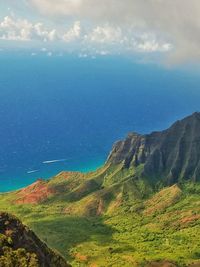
[(10, 183)]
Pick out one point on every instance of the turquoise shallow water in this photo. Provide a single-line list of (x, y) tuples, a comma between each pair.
[(12, 182), (73, 110)]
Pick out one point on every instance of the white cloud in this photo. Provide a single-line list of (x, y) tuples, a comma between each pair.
[(83, 55), (66, 7), (105, 34), (44, 34), (49, 54), (96, 40), (11, 29), (126, 39), (17, 29), (44, 49), (73, 33), (149, 43), (152, 46), (103, 53), (178, 21)]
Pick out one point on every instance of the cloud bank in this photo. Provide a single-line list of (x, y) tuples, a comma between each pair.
[(177, 21), (100, 39), (22, 30)]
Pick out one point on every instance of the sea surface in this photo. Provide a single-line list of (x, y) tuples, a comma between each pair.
[(65, 113)]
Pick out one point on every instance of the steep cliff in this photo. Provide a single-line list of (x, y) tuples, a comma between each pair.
[(170, 156)]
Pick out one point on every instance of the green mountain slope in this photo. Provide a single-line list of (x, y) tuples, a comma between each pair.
[(140, 209), (20, 247)]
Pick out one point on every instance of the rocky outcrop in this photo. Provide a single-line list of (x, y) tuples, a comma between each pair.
[(19, 246), (172, 155)]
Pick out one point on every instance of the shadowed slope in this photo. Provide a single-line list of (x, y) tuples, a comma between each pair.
[(21, 247)]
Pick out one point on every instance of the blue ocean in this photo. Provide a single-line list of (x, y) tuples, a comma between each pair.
[(65, 113)]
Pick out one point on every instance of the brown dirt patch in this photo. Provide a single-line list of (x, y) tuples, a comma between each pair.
[(80, 257), (35, 193), (189, 219)]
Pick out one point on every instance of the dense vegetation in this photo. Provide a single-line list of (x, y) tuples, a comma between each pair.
[(20, 247), (129, 230), (9, 257)]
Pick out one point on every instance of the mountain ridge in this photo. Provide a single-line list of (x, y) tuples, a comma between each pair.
[(172, 154), (136, 167)]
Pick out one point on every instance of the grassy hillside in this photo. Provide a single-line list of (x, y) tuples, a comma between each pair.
[(112, 218)]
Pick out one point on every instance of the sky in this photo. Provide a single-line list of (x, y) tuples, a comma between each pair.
[(169, 28)]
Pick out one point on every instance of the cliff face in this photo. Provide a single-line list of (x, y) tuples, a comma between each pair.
[(171, 155), (19, 246)]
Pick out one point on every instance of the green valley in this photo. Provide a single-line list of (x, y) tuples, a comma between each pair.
[(139, 209)]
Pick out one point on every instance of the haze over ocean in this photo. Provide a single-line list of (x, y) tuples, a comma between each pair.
[(64, 113)]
